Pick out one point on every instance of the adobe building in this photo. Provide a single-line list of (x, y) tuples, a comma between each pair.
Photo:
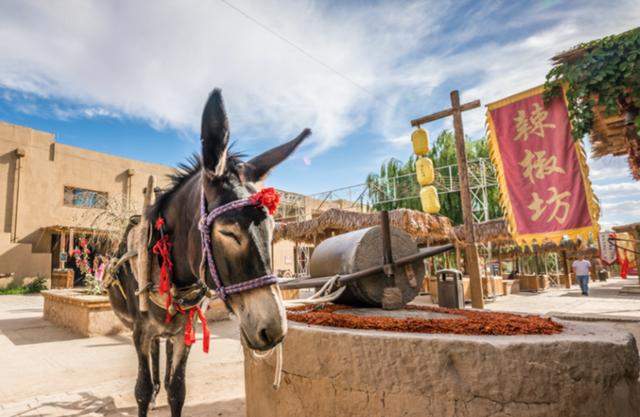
[(51, 194), (48, 192)]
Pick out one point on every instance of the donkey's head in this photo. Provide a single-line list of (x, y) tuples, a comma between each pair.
[(241, 239)]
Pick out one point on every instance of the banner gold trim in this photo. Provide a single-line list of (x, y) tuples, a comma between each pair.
[(496, 158)]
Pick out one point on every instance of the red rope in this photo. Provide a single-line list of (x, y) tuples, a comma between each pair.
[(163, 249), (190, 329)]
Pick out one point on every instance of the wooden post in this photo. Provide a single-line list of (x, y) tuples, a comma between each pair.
[(472, 263), (499, 250), (71, 239), (130, 173), (386, 240), (62, 245), (473, 266), (144, 258), (19, 153), (567, 270)]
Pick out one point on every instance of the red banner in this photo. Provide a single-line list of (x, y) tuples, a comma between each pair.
[(542, 172)]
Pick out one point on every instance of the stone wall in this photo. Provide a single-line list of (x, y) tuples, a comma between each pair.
[(588, 370), (88, 315)]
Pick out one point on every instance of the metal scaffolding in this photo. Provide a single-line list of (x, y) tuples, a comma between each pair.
[(361, 197), (482, 177), (291, 207)]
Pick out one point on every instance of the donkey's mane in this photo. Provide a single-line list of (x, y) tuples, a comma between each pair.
[(184, 172)]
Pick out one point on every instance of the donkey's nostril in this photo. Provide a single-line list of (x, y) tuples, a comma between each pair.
[(265, 337)]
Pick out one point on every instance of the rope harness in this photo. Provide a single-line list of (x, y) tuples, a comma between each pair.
[(192, 304), (192, 300), (267, 198)]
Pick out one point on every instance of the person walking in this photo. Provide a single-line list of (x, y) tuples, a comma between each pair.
[(581, 268)]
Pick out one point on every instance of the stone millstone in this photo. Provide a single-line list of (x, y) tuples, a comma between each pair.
[(588, 370), (362, 249)]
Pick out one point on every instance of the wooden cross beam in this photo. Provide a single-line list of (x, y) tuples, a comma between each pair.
[(445, 113), (471, 248)]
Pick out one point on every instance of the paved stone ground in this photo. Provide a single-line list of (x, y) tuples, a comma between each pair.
[(49, 371), (604, 300)]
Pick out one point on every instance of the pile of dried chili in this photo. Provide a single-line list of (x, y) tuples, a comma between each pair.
[(469, 322)]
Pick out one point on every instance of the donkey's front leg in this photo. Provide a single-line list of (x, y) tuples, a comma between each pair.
[(144, 384), (155, 368), (177, 355)]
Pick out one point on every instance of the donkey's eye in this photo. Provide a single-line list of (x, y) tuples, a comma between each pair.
[(230, 235)]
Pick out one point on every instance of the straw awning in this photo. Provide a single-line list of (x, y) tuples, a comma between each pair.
[(627, 228), (80, 230), (423, 227), (497, 233), (492, 231)]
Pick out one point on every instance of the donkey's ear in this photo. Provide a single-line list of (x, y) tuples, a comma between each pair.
[(214, 135), (259, 167)]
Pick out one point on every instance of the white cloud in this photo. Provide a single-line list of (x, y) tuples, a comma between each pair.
[(127, 59), (402, 142), (616, 190), (158, 63)]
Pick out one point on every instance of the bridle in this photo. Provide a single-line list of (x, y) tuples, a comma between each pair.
[(204, 225)]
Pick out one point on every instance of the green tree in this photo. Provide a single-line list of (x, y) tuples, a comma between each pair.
[(395, 185)]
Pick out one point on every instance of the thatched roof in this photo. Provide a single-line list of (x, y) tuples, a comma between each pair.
[(423, 227), (494, 231), (633, 228), (497, 233)]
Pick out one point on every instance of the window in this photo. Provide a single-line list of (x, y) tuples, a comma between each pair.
[(80, 197)]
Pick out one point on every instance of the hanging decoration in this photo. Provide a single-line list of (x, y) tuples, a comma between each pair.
[(608, 254), (420, 141), (542, 172), (625, 249), (425, 172)]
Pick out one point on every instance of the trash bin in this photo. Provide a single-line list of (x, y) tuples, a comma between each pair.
[(603, 275), (450, 289)]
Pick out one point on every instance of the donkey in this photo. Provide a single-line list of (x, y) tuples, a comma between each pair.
[(217, 239)]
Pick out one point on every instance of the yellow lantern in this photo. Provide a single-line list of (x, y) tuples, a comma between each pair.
[(429, 199), (424, 171), (420, 141)]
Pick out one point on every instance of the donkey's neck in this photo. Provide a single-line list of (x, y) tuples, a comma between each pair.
[(182, 213)]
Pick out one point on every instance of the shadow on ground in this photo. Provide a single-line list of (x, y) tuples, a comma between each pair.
[(91, 405), (32, 330), (605, 291)]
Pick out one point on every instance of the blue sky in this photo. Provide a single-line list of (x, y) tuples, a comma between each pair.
[(130, 80)]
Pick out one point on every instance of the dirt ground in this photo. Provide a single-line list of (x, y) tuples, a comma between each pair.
[(54, 372)]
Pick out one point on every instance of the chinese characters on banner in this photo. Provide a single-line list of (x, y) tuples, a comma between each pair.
[(544, 184)]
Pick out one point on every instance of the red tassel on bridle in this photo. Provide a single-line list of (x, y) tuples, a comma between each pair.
[(163, 249), (190, 329)]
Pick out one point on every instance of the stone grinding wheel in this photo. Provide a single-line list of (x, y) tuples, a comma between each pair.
[(362, 249)]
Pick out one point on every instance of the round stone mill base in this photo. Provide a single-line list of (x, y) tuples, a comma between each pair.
[(587, 370)]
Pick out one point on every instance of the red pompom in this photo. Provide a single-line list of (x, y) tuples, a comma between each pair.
[(159, 223), (268, 198)]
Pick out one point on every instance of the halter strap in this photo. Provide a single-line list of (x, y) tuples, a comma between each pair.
[(204, 225)]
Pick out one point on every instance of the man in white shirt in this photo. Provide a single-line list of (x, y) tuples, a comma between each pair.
[(581, 268)]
